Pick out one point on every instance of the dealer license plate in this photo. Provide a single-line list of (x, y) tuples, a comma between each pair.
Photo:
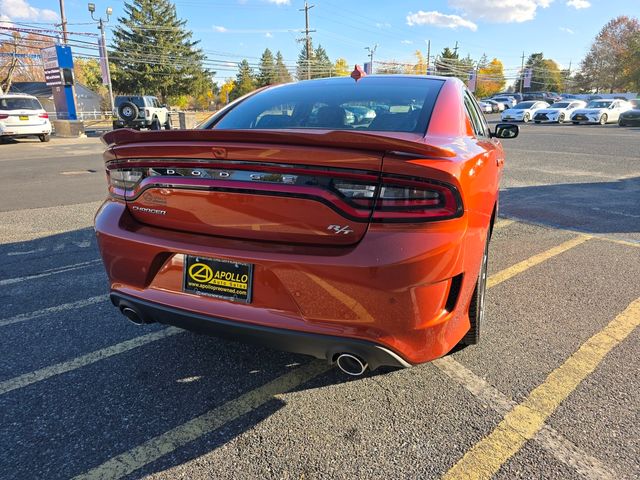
[(24, 117), (218, 278)]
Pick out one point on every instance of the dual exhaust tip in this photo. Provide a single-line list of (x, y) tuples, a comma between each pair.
[(351, 364), (347, 362), (133, 316)]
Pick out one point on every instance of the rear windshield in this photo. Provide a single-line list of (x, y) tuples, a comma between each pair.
[(395, 104), (20, 103), (137, 101)]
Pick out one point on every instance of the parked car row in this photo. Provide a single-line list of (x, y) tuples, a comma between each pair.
[(600, 111)]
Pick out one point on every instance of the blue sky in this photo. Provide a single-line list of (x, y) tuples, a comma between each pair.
[(230, 30)]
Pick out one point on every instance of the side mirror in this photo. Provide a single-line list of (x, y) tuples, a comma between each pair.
[(506, 130)]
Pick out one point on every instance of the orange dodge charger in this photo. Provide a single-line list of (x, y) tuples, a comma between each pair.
[(340, 218)]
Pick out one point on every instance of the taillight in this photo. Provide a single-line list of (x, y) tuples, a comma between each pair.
[(146, 112), (362, 196), (43, 115), (405, 200), (416, 200), (2, 117)]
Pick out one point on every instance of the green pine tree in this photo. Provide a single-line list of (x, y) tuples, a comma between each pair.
[(267, 74), (304, 67), (282, 74), (245, 81), (447, 63), (153, 54), (322, 65)]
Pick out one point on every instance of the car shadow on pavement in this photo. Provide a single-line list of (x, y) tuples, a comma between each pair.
[(599, 207), (98, 410)]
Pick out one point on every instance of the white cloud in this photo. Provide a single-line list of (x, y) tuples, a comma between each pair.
[(578, 4), (439, 20), (567, 30), (500, 11), (268, 35), (280, 2), (219, 28), (21, 10), (407, 42)]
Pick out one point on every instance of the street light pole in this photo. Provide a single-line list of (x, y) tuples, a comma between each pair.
[(103, 50), (371, 52)]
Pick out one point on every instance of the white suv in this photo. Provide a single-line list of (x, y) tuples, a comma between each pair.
[(23, 116)]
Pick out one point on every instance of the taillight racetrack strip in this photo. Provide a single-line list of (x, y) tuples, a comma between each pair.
[(358, 195)]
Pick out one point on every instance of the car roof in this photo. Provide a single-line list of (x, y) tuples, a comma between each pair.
[(17, 95)]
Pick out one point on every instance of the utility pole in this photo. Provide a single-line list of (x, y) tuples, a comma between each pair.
[(428, 55), (63, 19), (455, 49), (371, 52), (103, 50), (306, 9), (522, 72)]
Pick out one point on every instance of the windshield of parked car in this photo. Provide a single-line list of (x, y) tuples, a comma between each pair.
[(560, 105), (20, 103), (599, 104), (395, 104), (524, 105)]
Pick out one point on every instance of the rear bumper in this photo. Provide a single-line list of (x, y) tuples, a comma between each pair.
[(320, 346), (25, 130), (394, 289)]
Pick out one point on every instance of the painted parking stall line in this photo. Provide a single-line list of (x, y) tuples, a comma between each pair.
[(154, 448), (551, 440), (23, 317), (47, 273), (84, 360), (524, 421)]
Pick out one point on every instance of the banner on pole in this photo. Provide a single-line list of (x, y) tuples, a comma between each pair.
[(471, 81), (104, 67), (528, 73)]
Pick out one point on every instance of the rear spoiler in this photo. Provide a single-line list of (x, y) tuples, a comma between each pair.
[(403, 143)]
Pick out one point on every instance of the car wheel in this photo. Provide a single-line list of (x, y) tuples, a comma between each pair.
[(561, 118), (44, 138), (621, 123), (536, 121), (477, 305), (167, 124), (525, 118), (155, 124), (603, 119)]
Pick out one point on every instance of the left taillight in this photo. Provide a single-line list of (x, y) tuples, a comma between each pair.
[(2, 116), (123, 180)]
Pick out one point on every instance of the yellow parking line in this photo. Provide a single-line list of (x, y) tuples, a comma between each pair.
[(520, 267), (138, 457), (84, 360), (525, 420)]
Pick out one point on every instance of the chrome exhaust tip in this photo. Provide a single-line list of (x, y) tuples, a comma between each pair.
[(132, 315), (351, 364)]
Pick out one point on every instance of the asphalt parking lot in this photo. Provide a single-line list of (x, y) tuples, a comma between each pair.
[(552, 391)]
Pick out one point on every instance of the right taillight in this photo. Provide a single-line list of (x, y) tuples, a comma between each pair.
[(412, 200)]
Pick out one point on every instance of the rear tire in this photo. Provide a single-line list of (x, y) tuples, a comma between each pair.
[(155, 124), (167, 124), (477, 305), (621, 123), (44, 138)]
